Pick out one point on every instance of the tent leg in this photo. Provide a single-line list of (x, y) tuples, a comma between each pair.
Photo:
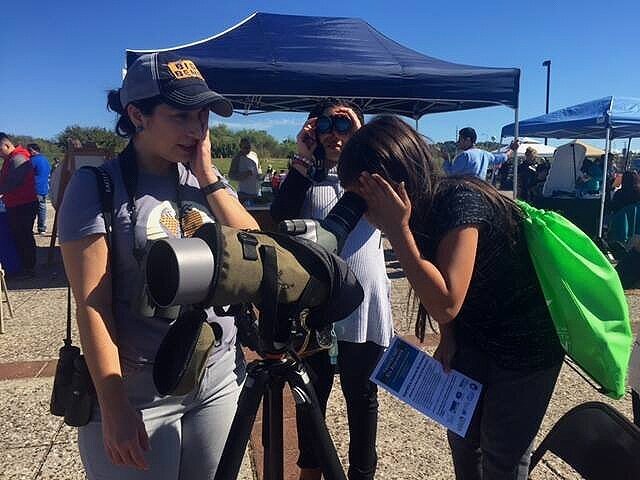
[(627, 159), (603, 187), (516, 132)]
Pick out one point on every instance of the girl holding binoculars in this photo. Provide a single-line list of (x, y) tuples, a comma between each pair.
[(310, 190)]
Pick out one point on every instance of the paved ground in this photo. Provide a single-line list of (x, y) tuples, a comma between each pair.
[(35, 445)]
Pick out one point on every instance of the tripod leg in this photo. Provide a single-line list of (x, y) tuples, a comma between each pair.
[(307, 405), (272, 431), (248, 403)]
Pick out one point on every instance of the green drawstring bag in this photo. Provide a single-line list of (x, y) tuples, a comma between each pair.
[(584, 296)]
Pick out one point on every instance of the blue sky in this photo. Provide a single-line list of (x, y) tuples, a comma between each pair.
[(59, 58)]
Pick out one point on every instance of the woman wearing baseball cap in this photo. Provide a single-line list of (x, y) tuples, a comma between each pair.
[(164, 185)]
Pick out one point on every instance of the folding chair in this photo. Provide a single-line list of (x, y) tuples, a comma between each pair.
[(597, 441), (4, 298)]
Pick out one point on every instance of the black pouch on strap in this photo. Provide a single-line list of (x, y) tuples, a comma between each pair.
[(181, 358)]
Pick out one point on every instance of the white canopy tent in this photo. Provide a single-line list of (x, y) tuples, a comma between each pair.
[(541, 149), (565, 168)]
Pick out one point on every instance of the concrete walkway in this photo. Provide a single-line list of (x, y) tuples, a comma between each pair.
[(36, 445)]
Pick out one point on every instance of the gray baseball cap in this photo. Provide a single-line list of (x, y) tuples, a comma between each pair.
[(177, 80)]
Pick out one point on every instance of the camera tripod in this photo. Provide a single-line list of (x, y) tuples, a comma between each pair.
[(265, 381)]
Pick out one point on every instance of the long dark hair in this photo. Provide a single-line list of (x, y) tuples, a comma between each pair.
[(124, 126), (629, 192), (319, 109), (390, 147)]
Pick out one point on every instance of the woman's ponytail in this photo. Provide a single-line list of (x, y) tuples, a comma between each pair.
[(124, 126)]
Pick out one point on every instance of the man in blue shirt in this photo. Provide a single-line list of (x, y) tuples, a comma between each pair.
[(474, 161), (42, 170)]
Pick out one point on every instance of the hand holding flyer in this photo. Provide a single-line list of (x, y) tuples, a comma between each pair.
[(418, 379)]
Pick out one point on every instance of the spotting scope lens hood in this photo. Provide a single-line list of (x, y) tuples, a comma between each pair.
[(179, 271)]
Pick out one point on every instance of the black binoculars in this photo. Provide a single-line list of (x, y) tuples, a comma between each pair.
[(338, 123), (73, 395)]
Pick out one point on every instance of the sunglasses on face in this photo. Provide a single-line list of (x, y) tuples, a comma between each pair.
[(338, 123)]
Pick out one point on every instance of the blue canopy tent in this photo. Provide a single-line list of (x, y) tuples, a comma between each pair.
[(272, 62), (606, 118), (621, 115)]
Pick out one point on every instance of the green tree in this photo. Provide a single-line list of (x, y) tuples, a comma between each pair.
[(226, 142), (100, 136), (287, 148)]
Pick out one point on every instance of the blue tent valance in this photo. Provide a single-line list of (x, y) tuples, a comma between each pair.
[(273, 62), (586, 120)]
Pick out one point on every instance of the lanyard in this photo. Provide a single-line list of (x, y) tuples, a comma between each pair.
[(130, 171)]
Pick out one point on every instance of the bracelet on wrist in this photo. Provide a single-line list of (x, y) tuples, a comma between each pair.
[(213, 187), (300, 160)]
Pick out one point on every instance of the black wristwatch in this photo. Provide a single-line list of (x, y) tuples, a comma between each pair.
[(214, 187)]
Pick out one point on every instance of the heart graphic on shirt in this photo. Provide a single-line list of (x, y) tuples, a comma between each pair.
[(169, 222), (191, 221)]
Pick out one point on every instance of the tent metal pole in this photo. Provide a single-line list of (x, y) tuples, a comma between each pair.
[(603, 187), (417, 130), (516, 128), (627, 159)]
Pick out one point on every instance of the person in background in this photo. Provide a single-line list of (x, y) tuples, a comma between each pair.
[(269, 173), (474, 161), (245, 168), (588, 183), (42, 170), (628, 194), (18, 192), (310, 190), (527, 174), (135, 433), (542, 171), (277, 178), (459, 240)]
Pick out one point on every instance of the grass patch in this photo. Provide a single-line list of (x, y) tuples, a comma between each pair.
[(278, 164), (223, 164)]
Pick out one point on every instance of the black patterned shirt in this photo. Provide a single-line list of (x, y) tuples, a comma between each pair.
[(504, 312)]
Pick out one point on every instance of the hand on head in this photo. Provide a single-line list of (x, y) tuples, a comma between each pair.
[(355, 121), (388, 207), (306, 139), (202, 164)]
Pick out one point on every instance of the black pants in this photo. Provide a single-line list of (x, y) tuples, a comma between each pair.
[(513, 402), (356, 362), (21, 220), (635, 402)]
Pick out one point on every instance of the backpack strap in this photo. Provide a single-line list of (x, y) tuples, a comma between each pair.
[(105, 190), (129, 169)]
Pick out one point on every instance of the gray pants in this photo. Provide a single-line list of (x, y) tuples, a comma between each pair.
[(500, 437), (187, 433)]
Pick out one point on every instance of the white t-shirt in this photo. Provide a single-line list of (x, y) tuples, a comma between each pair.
[(249, 163)]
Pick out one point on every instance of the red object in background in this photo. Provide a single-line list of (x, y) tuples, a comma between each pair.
[(24, 193), (276, 180), (617, 180)]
